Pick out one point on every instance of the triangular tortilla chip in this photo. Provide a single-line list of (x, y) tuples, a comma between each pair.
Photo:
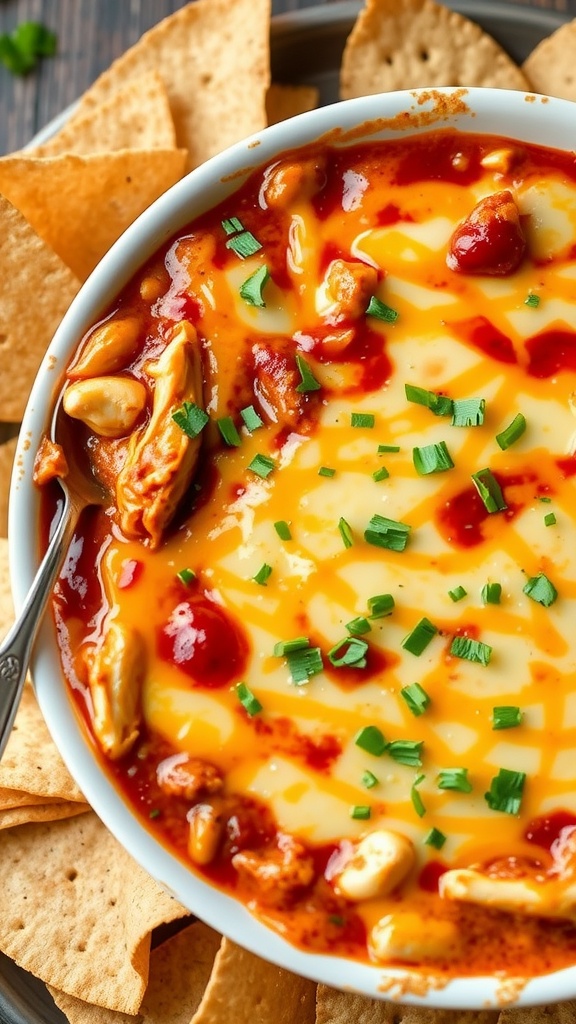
[(335, 1007), (7, 452), (419, 43), (137, 116), (41, 812), (214, 58), (36, 288), (80, 205), (550, 67), (283, 101)]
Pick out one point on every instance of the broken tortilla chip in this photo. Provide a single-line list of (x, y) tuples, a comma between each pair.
[(550, 67), (7, 452), (54, 811), (335, 1007), (214, 58), (6, 605), (36, 288), (420, 43), (284, 101)]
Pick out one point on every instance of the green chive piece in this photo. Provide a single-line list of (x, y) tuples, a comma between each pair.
[(285, 647), (283, 530), (252, 288), (263, 575), (416, 698), (370, 739), (457, 593), (506, 716), (471, 650), (247, 699), (186, 576), (543, 497), (381, 311), (337, 919), (432, 458), (454, 779), (541, 590), (262, 465), (380, 605), (417, 802), (326, 471), (550, 519), (190, 418), (244, 244), (362, 419), (229, 433), (358, 626), (361, 812), (418, 638), (435, 838), (489, 490), (513, 431), (380, 474), (383, 448), (440, 405), (532, 300), (346, 533), (232, 225), (154, 813), (505, 793), (468, 412), (387, 533), (406, 752), (251, 418), (308, 381), (491, 593), (304, 664), (369, 780), (349, 653)]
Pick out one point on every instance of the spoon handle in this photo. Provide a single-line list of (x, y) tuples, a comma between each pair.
[(16, 648)]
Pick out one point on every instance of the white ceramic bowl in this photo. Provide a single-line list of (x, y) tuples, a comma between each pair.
[(549, 122)]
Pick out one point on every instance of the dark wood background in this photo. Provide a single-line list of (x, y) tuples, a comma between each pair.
[(91, 34)]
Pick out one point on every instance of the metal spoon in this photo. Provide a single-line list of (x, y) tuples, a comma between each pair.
[(81, 489)]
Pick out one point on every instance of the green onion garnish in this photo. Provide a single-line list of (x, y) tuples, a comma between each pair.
[(262, 465), (346, 533), (251, 418), (285, 647), (550, 519), (532, 300), (370, 739), (252, 288), (244, 244), (417, 802), (406, 752), (349, 653), (358, 626), (432, 458), (247, 699), (506, 717), (368, 779), (512, 432), (456, 779), (545, 498), (440, 405), (361, 812), (416, 698), (505, 793), (283, 530), (304, 664), (380, 474), (186, 576), (308, 381), (491, 593), (489, 490), (435, 838), (468, 412), (541, 590), (382, 448), (229, 433), (263, 575), (387, 533), (471, 650), (418, 638), (362, 419), (380, 605), (154, 813), (381, 311), (190, 418), (232, 226), (457, 593), (326, 471)]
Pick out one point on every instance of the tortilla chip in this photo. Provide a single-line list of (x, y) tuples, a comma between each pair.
[(53, 811), (137, 116), (87, 930), (179, 972), (550, 67), (80, 205), (557, 1013), (247, 990), (421, 43), (36, 289), (284, 101), (7, 452), (214, 58), (6, 605), (335, 1007)]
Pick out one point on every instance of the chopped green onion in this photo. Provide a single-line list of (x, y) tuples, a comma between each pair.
[(387, 533), (186, 576), (380, 605), (262, 465), (369, 780), (440, 405), (545, 498), (455, 779), (228, 430), (337, 920), (506, 717), (550, 519), (326, 471), (505, 793), (370, 739), (513, 431), (380, 474), (263, 575), (308, 381), (190, 418), (435, 838), (252, 288), (349, 653), (283, 530), (381, 311), (154, 813), (532, 300), (21, 48), (491, 593), (251, 418), (489, 490), (471, 650), (304, 663), (432, 458), (406, 752), (361, 812), (244, 244), (382, 448), (358, 626), (285, 647), (457, 593), (541, 590), (247, 699), (362, 419), (468, 412), (417, 802), (346, 533), (416, 698), (232, 225), (418, 638)]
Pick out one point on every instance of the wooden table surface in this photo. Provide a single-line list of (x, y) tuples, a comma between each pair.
[(91, 34)]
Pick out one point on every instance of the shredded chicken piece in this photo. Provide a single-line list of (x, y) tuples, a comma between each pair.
[(115, 676), (277, 871), (50, 463), (187, 776)]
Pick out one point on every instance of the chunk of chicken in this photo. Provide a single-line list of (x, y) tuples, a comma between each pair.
[(351, 286), (289, 180), (187, 776), (276, 380), (206, 830), (110, 347), (490, 240), (552, 899), (50, 463), (109, 406), (276, 871), (115, 676), (161, 457), (380, 862)]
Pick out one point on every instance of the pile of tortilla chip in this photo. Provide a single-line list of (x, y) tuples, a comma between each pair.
[(109, 943)]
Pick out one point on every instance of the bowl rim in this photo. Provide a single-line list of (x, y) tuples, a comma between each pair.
[(515, 115)]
